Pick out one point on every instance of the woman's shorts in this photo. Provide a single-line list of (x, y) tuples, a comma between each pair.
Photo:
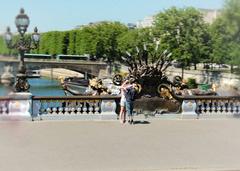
[(123, 102)]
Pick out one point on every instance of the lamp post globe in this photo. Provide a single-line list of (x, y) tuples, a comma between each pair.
[(36, 36), (8, 37), (22, 22)]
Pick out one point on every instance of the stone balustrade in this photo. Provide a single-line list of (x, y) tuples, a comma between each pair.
[(211, 105), (105, 107), (84, 107)]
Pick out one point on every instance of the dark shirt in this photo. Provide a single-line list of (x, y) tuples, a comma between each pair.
[(130, 94)]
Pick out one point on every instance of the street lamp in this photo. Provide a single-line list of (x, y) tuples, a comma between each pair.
[(22, 45)]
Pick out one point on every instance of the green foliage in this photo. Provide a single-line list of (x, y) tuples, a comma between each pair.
[(54, 43), (128, 41), (100, 39), (134, 41), (220, 37), (71, 48), (184, 33), (85, 41), (226, 34), (3, 47), (231, 15), (191, 83)]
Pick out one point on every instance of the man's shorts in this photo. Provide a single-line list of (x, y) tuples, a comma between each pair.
[(129, 108)]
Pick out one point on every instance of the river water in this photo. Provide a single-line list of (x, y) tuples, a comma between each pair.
[(40, 87), (47, 87)]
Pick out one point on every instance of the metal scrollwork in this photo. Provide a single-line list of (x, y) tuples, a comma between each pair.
[(150, 74), (22, 85)]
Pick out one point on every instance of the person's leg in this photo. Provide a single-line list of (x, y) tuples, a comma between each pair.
[(128, 110), (121, 115), (124, 112), (131, 112)]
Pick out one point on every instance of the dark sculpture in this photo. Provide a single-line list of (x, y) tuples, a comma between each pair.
[(157, 94), (148, 70)]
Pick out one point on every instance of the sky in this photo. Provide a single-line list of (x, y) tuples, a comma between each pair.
[(49, 15)]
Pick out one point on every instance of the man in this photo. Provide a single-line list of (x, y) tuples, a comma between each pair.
[(130, 93)]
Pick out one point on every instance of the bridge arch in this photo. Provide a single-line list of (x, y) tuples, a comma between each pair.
[(91, 67)]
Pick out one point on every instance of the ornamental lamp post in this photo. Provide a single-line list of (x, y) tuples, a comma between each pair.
[(22, 45)]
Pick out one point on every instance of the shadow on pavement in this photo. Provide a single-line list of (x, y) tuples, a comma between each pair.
[(141, 122)]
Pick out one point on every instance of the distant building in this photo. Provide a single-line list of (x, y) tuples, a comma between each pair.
[(80, 26), (91, 24), (146, 22), (210, 15), (131, 25), (97, 23)]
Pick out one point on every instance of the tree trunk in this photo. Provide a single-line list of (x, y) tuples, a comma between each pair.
[(231, 68), (182, 71)]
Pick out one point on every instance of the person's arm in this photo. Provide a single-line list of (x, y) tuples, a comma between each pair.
[(124, 84), (127, 87)]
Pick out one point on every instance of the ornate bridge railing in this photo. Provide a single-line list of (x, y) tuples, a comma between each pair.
[(106, 107), (211, 104), (86, 107)]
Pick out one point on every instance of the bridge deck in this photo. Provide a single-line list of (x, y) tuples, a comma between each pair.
[(53, 61), (109, 146)]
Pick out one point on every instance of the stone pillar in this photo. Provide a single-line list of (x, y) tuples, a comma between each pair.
[(189, 109), (20, 107), (108, 110)]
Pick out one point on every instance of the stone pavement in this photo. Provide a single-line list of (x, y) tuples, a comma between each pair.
[(149, 145)]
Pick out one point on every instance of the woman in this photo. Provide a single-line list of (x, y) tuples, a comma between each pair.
[(122, 115)]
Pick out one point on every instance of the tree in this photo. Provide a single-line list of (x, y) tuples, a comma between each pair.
[(3, 47), (71, 49), (184, 33), (53, 42), (133, 41), (4, 50), (220, 41), (100, 39), (226, 34), (85, 38)]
